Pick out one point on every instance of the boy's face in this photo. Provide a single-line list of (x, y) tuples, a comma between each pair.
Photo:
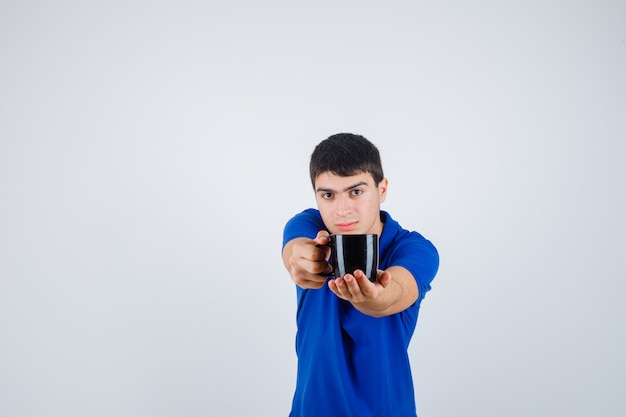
[(350, 205)]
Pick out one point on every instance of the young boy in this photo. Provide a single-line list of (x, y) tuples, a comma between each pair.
[(353, 334)]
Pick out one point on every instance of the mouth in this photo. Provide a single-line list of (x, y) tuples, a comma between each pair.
[(346, 227)]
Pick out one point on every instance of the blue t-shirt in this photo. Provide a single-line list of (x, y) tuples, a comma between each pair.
[(349, 363)]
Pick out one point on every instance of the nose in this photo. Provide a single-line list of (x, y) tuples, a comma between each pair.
[(344, 205)]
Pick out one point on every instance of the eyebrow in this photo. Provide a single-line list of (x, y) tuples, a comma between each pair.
[(330, 190)]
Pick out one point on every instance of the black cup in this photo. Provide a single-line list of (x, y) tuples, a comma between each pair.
[(351, 252)]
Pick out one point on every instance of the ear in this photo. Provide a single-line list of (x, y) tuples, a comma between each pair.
[(382, 189)]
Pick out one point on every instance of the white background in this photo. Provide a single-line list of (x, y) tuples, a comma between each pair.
[(151, 152)]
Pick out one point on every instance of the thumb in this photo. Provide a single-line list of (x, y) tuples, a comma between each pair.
[(384, 277), (322, 238)]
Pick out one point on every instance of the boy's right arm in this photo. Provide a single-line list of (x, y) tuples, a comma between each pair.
[(306, 262)]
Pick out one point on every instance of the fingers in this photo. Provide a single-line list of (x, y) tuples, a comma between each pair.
[(313, 266), (308, 262), (318, 266), (354, 288), (346, 288), (309, 274), (310, 281)]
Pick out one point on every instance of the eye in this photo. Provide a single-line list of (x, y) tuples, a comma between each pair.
[(327, 196), (356, 192)]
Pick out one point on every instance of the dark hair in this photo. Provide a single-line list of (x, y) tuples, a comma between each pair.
[(346, 154)]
